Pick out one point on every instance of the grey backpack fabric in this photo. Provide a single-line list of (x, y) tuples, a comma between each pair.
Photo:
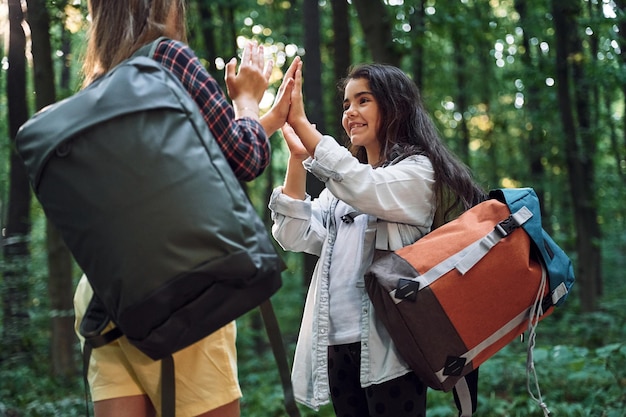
[(130, 174)]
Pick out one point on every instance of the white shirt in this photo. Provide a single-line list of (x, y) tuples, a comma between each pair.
[(345, 263), (400, 205)]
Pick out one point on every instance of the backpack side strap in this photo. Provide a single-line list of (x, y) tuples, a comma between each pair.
[(168, 387), (273, 333), (465, 394), (91, 326)]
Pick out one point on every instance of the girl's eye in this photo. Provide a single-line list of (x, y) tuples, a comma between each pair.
[(360, 101)]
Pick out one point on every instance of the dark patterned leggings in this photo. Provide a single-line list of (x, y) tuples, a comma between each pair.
[(401, 397)]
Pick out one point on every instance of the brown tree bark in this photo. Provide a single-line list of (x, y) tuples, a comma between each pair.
[(621, 39), (66, 69), (483, 13), (16, 231), (206, 28), (60, 282), (376, 22), (580, 149), (532, 100), (341, 59), (418, 28), (462, 91), (312, 90), (342, 55)]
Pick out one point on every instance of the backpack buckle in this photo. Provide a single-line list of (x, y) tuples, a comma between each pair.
[(507, 226)]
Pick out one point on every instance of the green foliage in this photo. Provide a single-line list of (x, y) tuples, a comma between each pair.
[(580, 358), (580, 361), (27, 391)]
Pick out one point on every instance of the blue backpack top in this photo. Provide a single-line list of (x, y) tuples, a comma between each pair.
[(556, 261)]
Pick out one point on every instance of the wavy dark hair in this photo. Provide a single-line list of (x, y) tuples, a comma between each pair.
[(406, 128)]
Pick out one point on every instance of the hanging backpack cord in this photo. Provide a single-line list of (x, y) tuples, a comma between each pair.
[(535, 314)]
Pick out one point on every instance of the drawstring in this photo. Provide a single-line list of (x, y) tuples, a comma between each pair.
[(535, 314)]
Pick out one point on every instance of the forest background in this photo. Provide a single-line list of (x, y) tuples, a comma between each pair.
[(526, 92)]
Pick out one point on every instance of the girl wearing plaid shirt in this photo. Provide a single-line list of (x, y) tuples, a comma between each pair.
[(123, 381)]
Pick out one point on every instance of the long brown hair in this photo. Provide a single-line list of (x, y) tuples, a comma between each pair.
[(120, 27), (406, 128)]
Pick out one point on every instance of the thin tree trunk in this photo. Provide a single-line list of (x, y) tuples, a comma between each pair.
[(66, 68), (532, 100), (16, 291), (60, 282), (312, 90), (341, 60), (376, 23), (483, 13), (621, 39), (206, 28), (418, 29), (579, 160), (460, 68)]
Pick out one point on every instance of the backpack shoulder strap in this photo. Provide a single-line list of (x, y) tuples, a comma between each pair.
[(465, 394), (91, 326), (94, 322), (150, 48)]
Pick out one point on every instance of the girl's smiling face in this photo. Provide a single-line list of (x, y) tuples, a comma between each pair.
[(361, 117)]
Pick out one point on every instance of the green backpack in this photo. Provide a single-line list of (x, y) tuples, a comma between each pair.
[(130, 174)]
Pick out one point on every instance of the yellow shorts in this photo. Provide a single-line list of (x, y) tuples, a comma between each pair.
[(206, 372)]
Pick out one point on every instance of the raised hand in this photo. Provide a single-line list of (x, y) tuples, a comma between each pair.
[(294, 144), (297, 119), (246, 85), (277, 115), (296, 111)]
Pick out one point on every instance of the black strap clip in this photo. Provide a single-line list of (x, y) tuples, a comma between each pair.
[(507, 226), (348, 218)]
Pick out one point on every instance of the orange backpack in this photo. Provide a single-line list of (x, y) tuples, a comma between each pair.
[(457, 296)]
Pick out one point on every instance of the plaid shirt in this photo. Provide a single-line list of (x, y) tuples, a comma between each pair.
[(243, 141)]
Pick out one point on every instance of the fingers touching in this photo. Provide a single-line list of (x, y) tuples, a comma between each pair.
[(248, 82)]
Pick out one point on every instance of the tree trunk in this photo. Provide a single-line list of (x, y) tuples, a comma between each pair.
[(483, 13), (418, 29), (341, 59), (60, 283), (16, 291), (206, 28), (230, 27), (532, 100), (341, 42), (376, 23), (621, 39), (459, 39), (579, 151), (60, 291), (66, 69), (312, 90)]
